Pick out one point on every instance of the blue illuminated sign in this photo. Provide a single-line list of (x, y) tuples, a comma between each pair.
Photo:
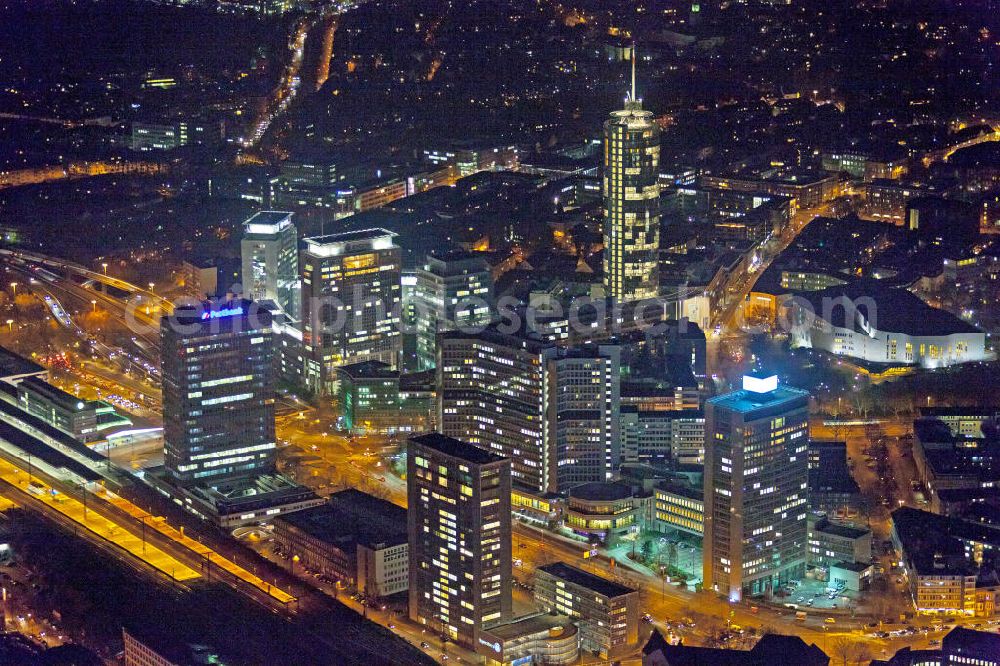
[(218, 314)]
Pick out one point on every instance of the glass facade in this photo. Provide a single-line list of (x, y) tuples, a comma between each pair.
[(631, 196), (756, 478), (270, 260), (218, 393)]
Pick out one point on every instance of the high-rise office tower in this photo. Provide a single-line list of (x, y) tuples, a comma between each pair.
[(584, 419), (452, 290), (351, 302), (459, 528), (631, 197), (756, 478), (270, 253), (552, 411), (218, 392)]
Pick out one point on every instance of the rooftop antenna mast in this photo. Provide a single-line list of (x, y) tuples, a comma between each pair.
[(633, 98)]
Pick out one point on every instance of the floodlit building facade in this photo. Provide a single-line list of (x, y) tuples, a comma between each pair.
[(756, 478), (631, 196)]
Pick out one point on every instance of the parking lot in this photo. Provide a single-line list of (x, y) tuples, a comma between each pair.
[(811, 594)]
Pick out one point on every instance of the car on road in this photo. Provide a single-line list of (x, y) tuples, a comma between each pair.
[(424, 644), (830, 620)]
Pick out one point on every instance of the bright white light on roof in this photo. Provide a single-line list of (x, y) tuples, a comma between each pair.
[(760, 384)]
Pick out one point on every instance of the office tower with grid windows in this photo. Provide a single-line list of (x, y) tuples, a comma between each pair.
[(459, 525), (218, 392), (351, 302), (451, 290), (553, 411), (631, 198), (756, 485), (270, 259)]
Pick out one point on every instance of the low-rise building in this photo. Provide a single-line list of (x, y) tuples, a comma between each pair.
[(539, 508), (770, 649), (831, 542), (147, 136), (86, 420), (879, 325), (946, 560), (606, 510), (886, 200), (607, 614), (535, 639), (679, 506), (805, 189), (832, 488), (948, 461), (355, 538)]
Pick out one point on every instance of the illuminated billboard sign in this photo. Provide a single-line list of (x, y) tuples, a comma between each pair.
[(219, 314)]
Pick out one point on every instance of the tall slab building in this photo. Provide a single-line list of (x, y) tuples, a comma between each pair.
[(459, 537), (452, 290), (218, 392), (631, 197), (351, 302), (553, 411), (270, 260), (756, 485)]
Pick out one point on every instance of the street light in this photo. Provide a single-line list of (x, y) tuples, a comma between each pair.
[(94, 304), (151, 285), (10, 325), (13, 287), (104, 265)]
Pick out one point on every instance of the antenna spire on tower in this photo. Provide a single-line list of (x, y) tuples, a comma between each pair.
[(633, 97)]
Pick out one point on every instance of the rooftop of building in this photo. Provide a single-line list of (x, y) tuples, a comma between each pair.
[(351, 516), (746, 401), (947, 495), (886, 309), (589, 581), (350, 236), (933, 544), (216, 316), (971, 642), (456, 448), (533, 624), (971, 412), (56, 395), (368, 370), (424, 381), (12, 365), (682, 489), (831, 479), (459, 256), (268, 221), (83, 462), (856, 567), (497, 333), (770, 649), (238, 495), (837, 529), (601, 491)]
